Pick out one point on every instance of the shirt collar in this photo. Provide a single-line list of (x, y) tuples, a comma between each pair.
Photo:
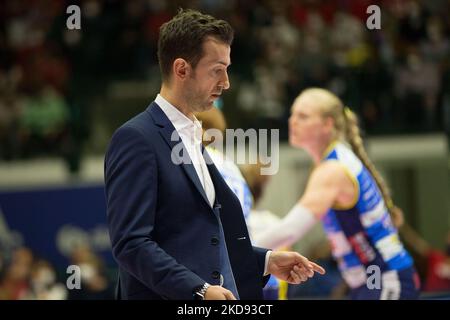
[(193, 128)]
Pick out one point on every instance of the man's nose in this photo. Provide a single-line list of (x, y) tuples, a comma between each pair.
[(226, 82)]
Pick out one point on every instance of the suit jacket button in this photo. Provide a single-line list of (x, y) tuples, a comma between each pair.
[(214, 241), (215, 275)]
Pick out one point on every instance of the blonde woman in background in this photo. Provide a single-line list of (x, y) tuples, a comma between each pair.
[(347, 194)]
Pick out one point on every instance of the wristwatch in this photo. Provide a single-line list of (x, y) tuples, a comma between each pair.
[(199, 293)]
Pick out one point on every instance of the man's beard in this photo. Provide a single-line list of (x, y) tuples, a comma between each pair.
[(196, 103)]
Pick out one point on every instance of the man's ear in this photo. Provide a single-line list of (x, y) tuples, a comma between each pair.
[(180, 68)]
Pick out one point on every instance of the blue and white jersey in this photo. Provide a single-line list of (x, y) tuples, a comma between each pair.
[(362, 234), (234, 179)]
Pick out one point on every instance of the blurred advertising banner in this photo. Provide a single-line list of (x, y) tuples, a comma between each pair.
[(53, 221)]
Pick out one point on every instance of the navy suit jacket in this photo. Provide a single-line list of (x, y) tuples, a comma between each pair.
[(164, 234)]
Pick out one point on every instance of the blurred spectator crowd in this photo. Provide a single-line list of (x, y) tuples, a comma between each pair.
[(397, 78), (25, 276)]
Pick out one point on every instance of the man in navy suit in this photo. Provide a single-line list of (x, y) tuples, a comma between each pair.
[(177, 230)]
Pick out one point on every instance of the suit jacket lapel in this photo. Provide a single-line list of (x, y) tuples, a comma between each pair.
[(219, 182), (173, 140)]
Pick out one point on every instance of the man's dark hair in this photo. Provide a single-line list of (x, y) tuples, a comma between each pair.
[(183, 36)]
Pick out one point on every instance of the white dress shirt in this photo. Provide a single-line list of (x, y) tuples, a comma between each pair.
[(190, 132)]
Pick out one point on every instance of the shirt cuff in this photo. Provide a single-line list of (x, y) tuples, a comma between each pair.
[(267, 262)]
